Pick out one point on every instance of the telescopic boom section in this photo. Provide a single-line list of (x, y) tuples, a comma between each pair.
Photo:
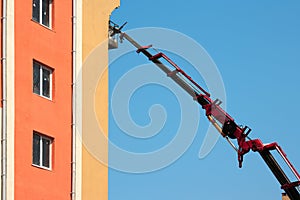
[(219, 118)]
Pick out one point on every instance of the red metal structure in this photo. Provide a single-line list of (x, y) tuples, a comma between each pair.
[(220, 119)]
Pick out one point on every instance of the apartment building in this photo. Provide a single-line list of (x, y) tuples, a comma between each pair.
[(44, 44)]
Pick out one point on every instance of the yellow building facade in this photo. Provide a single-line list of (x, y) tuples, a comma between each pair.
[(93, 69), (54, 92)]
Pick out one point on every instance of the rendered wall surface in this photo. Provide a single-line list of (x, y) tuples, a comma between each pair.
[(27, 112), (94, 42), (10, 61), (53, 48)]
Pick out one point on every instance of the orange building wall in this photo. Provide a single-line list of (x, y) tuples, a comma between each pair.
[(32, 112)]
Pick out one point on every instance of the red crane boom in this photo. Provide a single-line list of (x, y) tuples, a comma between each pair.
[(219, 118)]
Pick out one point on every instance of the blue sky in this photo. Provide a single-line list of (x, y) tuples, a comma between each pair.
[(256, 48)]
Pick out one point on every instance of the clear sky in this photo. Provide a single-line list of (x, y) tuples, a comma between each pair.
[(255, 45)]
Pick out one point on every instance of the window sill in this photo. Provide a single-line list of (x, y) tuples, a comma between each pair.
[(49, 99), (42, 25), (42, 167)]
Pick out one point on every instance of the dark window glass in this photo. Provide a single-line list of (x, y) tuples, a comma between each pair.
[(45, 12), (36, 149), (41, 150), (41, 11), (36, 78), (46, 152), (36, 10), (46, 83), (41, 80)]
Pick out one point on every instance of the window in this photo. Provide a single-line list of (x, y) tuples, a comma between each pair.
[(41, 11), (42, 80), (41, 150)]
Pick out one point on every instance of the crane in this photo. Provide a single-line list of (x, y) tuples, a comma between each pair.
[(218, 117)]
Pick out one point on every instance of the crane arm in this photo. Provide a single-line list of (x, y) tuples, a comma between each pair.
[(219, 118)]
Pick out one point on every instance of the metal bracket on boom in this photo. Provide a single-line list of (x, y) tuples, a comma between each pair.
[(217, 102), (143, 48), (115, 28)]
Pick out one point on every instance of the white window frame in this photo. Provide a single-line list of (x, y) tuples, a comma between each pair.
[(40, 20), (41, 67), (41, 151)]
